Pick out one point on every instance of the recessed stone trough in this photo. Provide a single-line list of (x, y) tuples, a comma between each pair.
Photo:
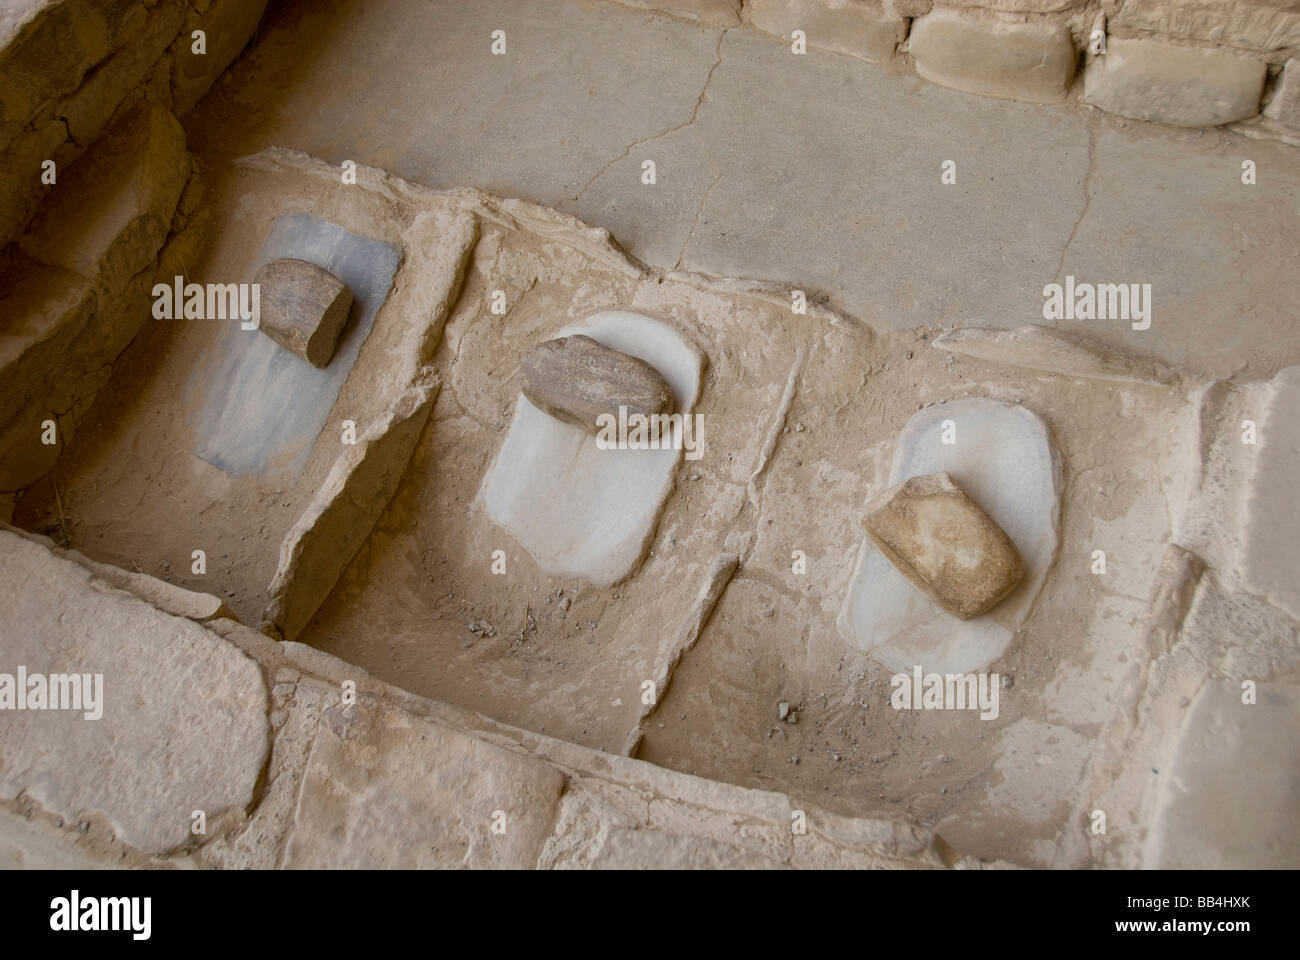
[(495, 570)]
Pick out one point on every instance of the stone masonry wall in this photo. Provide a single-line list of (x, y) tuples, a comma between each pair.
[(99, 193), (68, 68), (1189, 63)]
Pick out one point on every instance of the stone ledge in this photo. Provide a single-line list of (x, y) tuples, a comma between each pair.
[(196, 738), (1261, 26), (604, 791), (383, 789), (183, 724), (167, 597), (69, 68), (76, 292)]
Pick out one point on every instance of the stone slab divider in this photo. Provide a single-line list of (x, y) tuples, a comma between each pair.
[(340, 516)]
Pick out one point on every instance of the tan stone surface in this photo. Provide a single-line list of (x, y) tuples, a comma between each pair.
[(622, 848), (167, 597), (258, 843), (67, 68), (21, 191), (1008, 6), (89, 109), (1229, 796), (1183, 86), (388, 790), (945, 544), (1285, 105), (43, 310), (33, 844), (1271, 543), (1033, 62), (47, 51), (1041, 348), (1258, 25), (184, 712)]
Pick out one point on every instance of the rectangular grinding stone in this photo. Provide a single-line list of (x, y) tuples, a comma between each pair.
[(1004, 459), (262, 407)]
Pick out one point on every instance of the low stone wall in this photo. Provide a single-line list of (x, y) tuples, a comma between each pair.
[(99, 192), (68, 68), (1190, 63), (74, 290), (217, 747)]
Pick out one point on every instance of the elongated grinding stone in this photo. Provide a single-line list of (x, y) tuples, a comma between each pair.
[(576, 379), (303, 308), (945, 544)]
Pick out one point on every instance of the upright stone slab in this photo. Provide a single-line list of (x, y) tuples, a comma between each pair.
[(1182, 86), (1001, 454), (1033, 62), (341, 514)]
